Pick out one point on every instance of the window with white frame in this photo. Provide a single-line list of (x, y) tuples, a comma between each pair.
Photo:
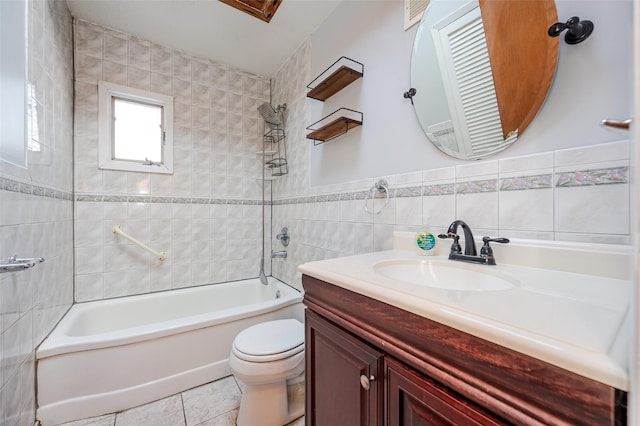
[(135, 129)]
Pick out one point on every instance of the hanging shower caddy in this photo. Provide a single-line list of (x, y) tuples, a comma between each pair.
[(274, 141)]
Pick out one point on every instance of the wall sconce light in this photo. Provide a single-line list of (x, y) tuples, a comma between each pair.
[(577, 30)]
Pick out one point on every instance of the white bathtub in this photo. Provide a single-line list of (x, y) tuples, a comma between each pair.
[(110, 355)]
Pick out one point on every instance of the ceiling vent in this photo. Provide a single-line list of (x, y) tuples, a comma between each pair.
[(261, 9), (413, 11)]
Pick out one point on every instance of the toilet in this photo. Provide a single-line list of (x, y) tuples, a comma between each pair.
[(268, 358)]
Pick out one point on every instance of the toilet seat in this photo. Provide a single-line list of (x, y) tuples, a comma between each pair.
[(270, 341)]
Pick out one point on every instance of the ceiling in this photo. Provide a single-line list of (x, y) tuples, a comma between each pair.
[(211, 29)]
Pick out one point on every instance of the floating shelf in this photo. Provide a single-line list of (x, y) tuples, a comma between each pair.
[(339, 75), (333, 125)]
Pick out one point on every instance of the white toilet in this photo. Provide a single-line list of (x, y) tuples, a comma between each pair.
[(269, 359)]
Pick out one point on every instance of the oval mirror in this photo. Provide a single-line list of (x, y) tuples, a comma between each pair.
[(481, 70)]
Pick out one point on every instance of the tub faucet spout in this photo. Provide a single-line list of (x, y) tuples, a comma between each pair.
[(282, 254)]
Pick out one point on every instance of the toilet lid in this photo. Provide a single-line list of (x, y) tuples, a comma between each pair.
[(271, 338)]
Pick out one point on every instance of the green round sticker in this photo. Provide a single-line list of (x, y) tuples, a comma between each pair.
[(426, 240)]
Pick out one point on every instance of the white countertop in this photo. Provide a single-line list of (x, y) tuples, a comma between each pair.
[(575, 321)]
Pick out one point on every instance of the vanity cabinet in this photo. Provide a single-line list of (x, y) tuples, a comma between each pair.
[(345, 373), (426, 373), (414, 399)]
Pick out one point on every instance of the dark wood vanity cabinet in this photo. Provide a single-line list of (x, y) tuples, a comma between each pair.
[(413, 399), (346, 375), (420, 372)]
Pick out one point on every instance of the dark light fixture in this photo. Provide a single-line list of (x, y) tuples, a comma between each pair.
[(577, 30)]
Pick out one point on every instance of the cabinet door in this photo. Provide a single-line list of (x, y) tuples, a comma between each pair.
[(344, 384), (415, 400)]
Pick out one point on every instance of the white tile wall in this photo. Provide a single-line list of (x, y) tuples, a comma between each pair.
[(36, 216), (217, 133), (513, 197)]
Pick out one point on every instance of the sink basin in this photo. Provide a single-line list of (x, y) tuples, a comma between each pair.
[(449, 275)]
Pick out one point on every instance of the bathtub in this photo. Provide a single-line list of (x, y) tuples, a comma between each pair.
[(110, 355)]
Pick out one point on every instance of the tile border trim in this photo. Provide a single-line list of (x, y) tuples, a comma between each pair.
[(606, 176), (11, 185), (594, 177), (163, 200), (520, 183)]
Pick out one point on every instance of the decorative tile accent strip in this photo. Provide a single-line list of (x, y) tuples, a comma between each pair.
[(163, 200), (31, 189), (361, 195), (415, 191), (526, 182), (347, 196), (579, 178), (92, 198), (476, 187), (10, 185), (593, 177), (25, 188), (442, 189)]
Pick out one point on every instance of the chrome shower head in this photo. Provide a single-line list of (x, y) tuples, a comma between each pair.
[(269, 114)]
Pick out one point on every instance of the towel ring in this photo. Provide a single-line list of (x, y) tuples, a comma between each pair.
[(380, 186)]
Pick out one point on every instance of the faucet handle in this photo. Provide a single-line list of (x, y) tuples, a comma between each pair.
[(455, 246), (486, 250), (488, 240)]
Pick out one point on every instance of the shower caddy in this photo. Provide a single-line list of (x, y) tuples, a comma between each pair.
[(274, 146), (339, 75)]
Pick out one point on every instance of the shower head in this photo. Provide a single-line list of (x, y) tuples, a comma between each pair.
[(269, 114)]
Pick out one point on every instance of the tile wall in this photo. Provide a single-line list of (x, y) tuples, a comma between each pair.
[(207, 215), (36, 214), (579, 194)]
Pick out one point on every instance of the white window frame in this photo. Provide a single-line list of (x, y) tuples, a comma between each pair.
[(106, 92)]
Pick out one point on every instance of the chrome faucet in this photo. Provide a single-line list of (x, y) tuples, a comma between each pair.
[(282, 254), (470, 253)]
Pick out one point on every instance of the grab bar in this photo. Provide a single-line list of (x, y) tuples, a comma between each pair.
[(158, 254), (16, 264)]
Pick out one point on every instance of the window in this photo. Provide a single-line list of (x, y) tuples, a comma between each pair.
[(13, 78), (135, 129)]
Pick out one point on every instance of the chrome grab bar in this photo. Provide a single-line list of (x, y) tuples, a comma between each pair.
[(17, 264)]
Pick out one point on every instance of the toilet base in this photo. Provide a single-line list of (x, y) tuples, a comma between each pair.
[(270, 405)]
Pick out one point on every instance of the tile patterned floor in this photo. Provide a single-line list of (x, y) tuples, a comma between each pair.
[(213, 404)]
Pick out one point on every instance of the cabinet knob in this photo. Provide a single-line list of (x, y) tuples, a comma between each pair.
[(366, 381)]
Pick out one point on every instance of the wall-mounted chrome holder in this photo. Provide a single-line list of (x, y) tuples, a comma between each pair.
[(17, 264), (577, 30), (380, 186)]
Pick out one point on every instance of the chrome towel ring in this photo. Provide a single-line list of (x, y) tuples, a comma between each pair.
[(380, 186)]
